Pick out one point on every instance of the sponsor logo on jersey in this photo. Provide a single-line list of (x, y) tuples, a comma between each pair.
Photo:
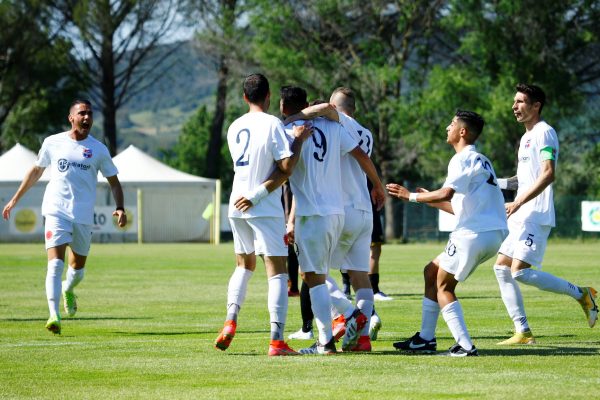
[(87, 153), (523, 159), (528, 143), (64, 165)]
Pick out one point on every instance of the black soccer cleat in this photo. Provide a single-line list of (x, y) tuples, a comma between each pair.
[(416, 344), (458, 351)]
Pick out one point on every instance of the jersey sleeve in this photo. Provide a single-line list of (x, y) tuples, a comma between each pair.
[(43, 159), (281, 142), (347, 141), (548, 145), (459, 175), (107, 166)]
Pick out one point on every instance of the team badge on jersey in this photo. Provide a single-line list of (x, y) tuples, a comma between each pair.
[(528, 143), (87, 153)]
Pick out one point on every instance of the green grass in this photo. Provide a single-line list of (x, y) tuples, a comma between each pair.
[(148, 316)]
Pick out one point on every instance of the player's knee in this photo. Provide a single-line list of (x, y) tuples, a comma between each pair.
[(430, 273), (522, 275)]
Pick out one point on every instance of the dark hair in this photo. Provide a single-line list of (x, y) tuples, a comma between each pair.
[(79, 101), (293, 97), (256, 88), (472, 120), (534, 93)]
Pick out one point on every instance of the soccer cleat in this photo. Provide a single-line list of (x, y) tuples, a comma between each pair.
[(226, 336), (363, 344), (458, 351), (70, 301), (380, 296), (354, 325), (338, 326), (588, 303), (374, 327), (519, 338), (53, 325), (322, 349), (281, 348), (416, 344), (300, 334)]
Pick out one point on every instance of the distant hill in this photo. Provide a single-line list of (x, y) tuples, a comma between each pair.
[(152, 120)]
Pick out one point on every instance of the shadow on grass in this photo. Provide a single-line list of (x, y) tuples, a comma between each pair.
[(73, 319), (508, 352), (212, 332)]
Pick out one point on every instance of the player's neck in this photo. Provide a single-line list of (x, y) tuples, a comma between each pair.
[(77, 135), (255, 108), (458, 147), (533, 122)]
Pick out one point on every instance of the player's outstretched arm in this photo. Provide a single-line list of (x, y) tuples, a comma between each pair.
[(318, 110), (438, 198), (117, 192), (377, 193), (511, 183), (32, 176)]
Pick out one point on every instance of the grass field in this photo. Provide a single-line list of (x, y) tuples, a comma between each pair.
[(148, 316)]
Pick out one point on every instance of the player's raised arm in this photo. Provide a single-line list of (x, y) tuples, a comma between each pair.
[(318, 110), (32, 176)]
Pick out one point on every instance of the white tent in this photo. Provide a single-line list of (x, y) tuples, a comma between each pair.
[(172, 203), (166, 205)]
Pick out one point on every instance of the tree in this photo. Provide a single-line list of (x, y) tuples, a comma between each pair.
[(35, 84), (117, 42)]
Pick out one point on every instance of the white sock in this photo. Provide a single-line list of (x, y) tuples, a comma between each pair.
[(74, 277), (236, 291), (320, 304), (277, 300), (54, 285), (548, 282), (453, 315), (364, 302), (512, 298), (430, 310), (338, 298)]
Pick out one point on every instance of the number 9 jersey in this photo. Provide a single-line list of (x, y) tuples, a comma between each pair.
[(256, 141)]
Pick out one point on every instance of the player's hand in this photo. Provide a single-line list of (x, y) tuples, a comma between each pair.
[(398, 191), (243, 204), (6, 211), (303, 132), (121, 217), (378, 197), (289, 237), (512, 208)]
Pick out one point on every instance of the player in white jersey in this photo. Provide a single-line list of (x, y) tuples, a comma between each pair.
[(75, 158), (471, 193), (318, 217), (262, 160), (352, 251), (531, 217)]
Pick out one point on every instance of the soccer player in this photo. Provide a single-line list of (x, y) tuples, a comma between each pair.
[(75, 157), (352, 251), (262, 160), (531, 217), (319, 208), (472, 194)]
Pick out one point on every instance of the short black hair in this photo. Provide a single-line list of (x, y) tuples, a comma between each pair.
[(534, 93), (79, 101), (256, 88), (472, 120), (293, 97)]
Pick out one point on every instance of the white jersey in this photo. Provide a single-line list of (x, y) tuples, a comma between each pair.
[(71, 191), (356, 193), (477, 202), (256, 141), (539, 210), (316, 181)]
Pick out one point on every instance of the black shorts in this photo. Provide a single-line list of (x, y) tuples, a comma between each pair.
[(377, 236)]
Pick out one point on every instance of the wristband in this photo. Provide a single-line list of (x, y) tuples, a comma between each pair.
[(413, 197), (120, 209), (502, 183), (257, 194)]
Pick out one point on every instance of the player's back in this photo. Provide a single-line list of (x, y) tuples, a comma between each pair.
[(256, 140), (316, 180)]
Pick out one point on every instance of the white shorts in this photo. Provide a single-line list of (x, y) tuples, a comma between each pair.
[(526, 242), (59, 231), (353, 249), (316, 237), (465, 251), (260, 235)]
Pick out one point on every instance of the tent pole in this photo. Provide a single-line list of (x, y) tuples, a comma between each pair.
[(140, 224)]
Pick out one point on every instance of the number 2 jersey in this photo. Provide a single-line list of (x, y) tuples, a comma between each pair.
[(256, 141), (74, 166), (317, 181), (477, 202)]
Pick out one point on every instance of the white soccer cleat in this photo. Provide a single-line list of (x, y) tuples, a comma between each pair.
[(301, 335), (380, 296), (374, 327)]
